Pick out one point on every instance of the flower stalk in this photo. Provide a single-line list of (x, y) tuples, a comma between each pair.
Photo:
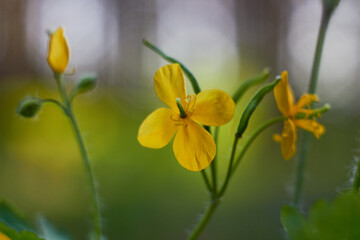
[(232, 166), (67, 107), (205, 219), (327, 13), (234, 163)]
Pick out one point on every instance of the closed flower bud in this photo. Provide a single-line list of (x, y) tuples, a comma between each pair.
[(29, 107), (86, 84), (58, 54)]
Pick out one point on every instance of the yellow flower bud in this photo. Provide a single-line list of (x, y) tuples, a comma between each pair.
[(58, 55)]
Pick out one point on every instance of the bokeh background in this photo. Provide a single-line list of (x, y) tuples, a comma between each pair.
[(145, 193)]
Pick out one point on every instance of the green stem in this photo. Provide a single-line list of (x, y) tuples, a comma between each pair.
[(95, 195), (304, 144), (318, 52), (197, 89), (204, 220), (252, 137), (300, 169), (213, 165), (254, 80), (187, 72), (49, 100), (231, 162), (216, 198), (356, 183), (206, 180)]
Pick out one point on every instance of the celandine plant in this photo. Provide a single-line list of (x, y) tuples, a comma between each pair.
[(194, 146), (58, 58)]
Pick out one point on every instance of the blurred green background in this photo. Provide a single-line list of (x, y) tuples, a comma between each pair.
[(145, 193)]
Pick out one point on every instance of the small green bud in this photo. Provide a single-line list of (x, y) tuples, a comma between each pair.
[(86, 84), (29, 107)]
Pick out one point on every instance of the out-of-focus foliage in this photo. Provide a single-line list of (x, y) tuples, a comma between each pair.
[(338, 220), (14, 225)]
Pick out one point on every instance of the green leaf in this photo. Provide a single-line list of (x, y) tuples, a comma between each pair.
[(14, 225), (337, 221), (13, 219), (340, 220), (295, 224), (15, 235), (245, 85), (252, 105), (50, 232)]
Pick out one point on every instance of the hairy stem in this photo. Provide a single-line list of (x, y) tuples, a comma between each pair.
[(204, 220), (95, 195)]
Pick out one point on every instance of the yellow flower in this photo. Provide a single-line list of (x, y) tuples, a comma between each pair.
[(3, 236), (193, 146), (58, 55), (285, 102)]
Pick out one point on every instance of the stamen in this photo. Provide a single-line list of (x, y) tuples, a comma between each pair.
[(178, 121), (192, 105)]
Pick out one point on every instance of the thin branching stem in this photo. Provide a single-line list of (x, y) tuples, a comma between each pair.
[(234, 164), (57, 103), (204, 220), (95, 195)]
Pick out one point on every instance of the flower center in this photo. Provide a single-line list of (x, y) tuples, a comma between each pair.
[(189, 108)]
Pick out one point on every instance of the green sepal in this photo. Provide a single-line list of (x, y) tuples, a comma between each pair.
[(254, 80), (252, 105), (29, 107)]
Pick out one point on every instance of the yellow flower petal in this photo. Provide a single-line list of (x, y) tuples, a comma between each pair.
[(157, 129), (213, 108), (193, 146), (169, 84), (58, 55), (305, 100), (288, 141), (311, 125), (3, 236), (283, 95)]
